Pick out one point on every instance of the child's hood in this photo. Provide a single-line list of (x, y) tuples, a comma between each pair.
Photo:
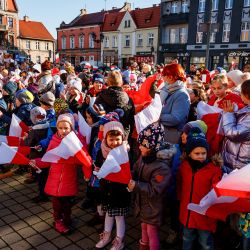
[(166, 152)]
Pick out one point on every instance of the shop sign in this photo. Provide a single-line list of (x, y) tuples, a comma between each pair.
[(243, 54)]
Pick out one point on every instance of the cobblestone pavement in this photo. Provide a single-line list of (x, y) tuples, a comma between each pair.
[(25, 225)]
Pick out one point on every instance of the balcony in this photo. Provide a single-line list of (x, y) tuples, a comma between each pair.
[(3, 27), (178, 47), (175, 18)]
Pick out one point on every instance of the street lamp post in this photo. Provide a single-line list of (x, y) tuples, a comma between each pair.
[(97, 41), (208, 32)]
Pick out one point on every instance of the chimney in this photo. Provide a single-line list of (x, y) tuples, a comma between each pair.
[(127, 6), (114, 8), (83, 12), (26, 18), (137, 8), (155, 5)]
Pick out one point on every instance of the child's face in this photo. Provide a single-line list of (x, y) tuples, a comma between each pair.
[(18, 103), (184, 138), (218, 89), (198, 154), (144, 151), (231, 84), (245, 100), (114, 141), (89, 119), (63, 129), (97, 86)]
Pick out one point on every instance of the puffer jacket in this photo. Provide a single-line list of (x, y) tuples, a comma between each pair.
[(23, 112), (62, 179), (115, 98), (192, 186), (236, 145), (152, 180)]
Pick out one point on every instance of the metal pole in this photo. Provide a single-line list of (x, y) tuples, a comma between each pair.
[(208, 31)]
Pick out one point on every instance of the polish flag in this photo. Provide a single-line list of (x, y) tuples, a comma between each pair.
[(12, 141), (17, 127), (236, 184), (10, 155), (116, 167), (148, 115), (69, 148), (84, 128)]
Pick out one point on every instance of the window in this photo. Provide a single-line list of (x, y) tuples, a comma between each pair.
[(91, 41), (37, 45), (150, 39), (246, 3), (183, 35), (38, 59), (46, 46), (226, 32), (27, 44), (63, 42), (81, 41), (106, 42), (91, 58), (229, 4), (212, 37), (114, 41), (215, 4), (202, 4), (174, 8), (127, 24), (173, 33), (185, 6), (139, 40), (72, 42), (1, 5), (245, 32), (199, 37), (127, 41), (10, 22)]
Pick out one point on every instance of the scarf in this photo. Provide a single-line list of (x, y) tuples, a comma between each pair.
[(171, 88), (196, 165), (106, 149)]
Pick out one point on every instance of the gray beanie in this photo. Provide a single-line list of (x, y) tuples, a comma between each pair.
[(37, 115), (47, 99)]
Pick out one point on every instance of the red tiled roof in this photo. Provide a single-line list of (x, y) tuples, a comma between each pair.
[(12, 6), (147, 18), (35, 30), (112, 21)]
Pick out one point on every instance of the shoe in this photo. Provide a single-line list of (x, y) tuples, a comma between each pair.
[(96, 220), (172, 237), (39, 199), (29, 180), (117, 244), (143, 246), (60, 227), (105, 238)]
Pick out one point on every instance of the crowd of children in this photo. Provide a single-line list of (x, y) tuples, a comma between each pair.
[(173, 161)]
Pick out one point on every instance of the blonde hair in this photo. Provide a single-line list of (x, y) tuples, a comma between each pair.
[(115, 78), (222, 79)]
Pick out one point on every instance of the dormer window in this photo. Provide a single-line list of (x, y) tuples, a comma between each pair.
[(127, 24)]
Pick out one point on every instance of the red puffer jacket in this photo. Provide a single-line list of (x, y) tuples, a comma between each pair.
[(62, 179), (191, 188)]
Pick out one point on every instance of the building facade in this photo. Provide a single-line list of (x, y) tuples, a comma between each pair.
[(35, 41), (9, 25)]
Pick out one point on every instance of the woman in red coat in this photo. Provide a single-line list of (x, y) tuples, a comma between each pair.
[(195, 179)]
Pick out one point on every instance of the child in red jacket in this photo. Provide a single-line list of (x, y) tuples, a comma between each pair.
[(196, 177)]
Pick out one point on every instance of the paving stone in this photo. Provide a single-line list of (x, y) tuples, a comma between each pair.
[(14, 183), (87, 230), (16, 208), (21, 245), (41, 226), (24, 214), (4, 198), (27, 232), (70, 247), (5, 230), (28, 204), (76, 236), (32, 220), (50, 234), (36, 210), (5, 211), (36, 240), (17, 225), (9, 203), (86, 243), (61, 241), (10, 218), (48, 246), (44, 215), (11, 238), (21, 198), (15, 194), (2, 244)]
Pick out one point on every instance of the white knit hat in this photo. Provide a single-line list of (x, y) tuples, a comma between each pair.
[(77, 84), (236, 76), (66, 118), (112, 126)]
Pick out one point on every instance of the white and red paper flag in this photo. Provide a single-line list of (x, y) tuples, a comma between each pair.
[(9, 155), (236, 184), (148, 115), (17, 127), (12, 141), (116, 167), (84, 128), (70, 147)]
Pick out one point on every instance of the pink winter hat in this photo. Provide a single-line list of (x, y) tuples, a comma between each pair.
[(114, 125), (66, 118)]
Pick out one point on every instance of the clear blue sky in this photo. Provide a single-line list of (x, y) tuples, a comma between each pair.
[(52, 12)]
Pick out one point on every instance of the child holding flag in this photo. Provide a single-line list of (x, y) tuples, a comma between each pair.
[(114, 195)]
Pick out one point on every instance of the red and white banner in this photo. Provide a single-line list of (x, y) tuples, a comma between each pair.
[(148, 115), (12, 141), (84, 128), (70, 146), (10, 155), (236, 184), (17, 127), (116, 167)]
